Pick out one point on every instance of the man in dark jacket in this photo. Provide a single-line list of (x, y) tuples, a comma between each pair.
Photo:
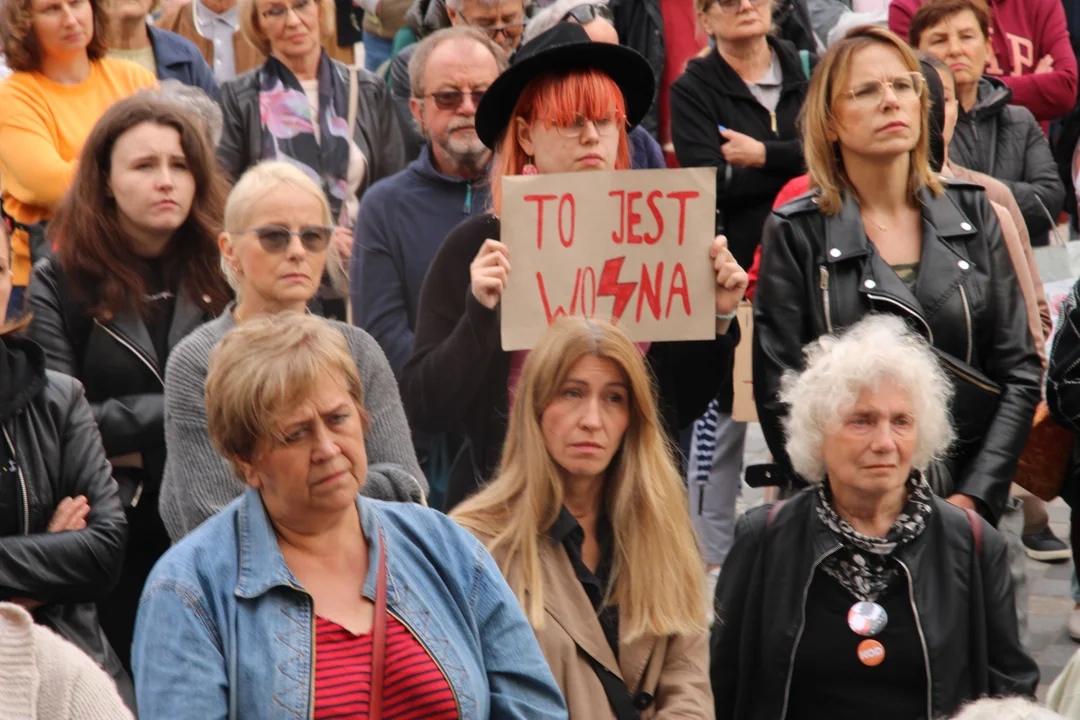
[(992, 136)]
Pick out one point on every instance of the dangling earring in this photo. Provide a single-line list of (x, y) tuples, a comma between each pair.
[(529, 168)]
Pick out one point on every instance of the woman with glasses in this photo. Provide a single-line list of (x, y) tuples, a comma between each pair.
[(297, 107), (273, 251), (564, 105), (881, 233), (136, 269)]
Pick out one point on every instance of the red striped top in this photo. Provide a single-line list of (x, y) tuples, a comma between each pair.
[(414, 687)]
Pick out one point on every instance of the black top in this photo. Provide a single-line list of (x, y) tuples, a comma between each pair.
[(569, 532), (830, 680), (161, 295), (9, 493)]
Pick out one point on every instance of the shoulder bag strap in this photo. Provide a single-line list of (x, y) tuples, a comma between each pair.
[(618, 694), (378, 650), (354, 90)]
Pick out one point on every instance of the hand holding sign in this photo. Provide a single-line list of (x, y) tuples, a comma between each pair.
[(731, 279), (489, 273)]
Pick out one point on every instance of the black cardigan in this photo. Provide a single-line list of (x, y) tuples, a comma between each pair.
[(457, 376)]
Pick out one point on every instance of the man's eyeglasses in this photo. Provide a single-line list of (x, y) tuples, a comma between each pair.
[(585, 14), (452, 99), (731, 7), (279, 12), (276, 238), (870, 94), (509, 29)]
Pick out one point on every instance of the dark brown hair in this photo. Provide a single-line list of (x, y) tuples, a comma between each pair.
[(934, 11), (20, 45), (95, 254)]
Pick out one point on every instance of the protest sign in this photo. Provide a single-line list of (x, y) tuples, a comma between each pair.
[(627, 247)]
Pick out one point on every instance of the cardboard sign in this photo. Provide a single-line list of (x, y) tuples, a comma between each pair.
[(743, 408), (631, 248)]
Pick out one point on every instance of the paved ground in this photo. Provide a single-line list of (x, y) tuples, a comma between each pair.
[(1049, 602)]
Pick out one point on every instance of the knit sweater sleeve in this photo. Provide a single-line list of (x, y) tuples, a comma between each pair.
[(94, 696), (393, 471), (197, 481)]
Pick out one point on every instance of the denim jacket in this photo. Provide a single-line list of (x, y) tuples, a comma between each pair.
[(225, 630)]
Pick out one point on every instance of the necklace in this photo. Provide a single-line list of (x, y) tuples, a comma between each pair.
[(880, 227)]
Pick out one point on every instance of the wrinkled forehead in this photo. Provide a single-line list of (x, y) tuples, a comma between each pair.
[(875, 61)]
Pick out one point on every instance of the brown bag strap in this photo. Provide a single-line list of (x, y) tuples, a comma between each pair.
[(378, 650)]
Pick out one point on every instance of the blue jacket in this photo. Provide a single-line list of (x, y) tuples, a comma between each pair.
[(178, 59), (225, 630), (402, 223), (645, 152)]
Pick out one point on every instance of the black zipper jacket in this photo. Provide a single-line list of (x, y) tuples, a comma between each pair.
[(962, 600), (820, 274), (711, 93)]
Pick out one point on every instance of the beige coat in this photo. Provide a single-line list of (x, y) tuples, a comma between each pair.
[(182, 22), (674, 670)]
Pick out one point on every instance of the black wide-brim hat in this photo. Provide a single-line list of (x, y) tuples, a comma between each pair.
[(563, 48)]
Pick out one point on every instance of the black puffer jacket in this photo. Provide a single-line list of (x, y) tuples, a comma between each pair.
[(49, 431), (963, 602), (377, 132), (1005, 142), (820, 274)]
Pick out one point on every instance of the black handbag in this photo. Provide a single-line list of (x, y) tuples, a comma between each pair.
[(975, 398)]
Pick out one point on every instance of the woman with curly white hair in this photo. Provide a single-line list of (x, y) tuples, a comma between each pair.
[(865, 595)]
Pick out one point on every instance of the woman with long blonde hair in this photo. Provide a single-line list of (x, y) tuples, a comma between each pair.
[(588, 520)]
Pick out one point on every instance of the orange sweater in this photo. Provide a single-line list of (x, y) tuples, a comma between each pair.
[(43, 126)]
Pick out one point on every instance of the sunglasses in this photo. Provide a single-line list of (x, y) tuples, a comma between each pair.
[(585, 14), (276, 238), (452, 99)]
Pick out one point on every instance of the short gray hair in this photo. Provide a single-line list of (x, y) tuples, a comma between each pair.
[(550, 16), (457, 5), (419, 60), (1014, 708), (839, 368), (197, 102)]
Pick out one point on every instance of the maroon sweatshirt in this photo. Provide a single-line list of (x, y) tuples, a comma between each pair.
[(1021, 32)]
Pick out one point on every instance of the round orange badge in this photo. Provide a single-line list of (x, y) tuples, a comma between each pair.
[(871, 653)]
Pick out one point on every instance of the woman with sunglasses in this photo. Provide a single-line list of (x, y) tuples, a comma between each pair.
[(564, 105), (273, 251), (296, 108), (136, 269), (880, 232)]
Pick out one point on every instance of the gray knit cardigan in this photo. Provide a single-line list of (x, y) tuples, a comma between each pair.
[(198, 482)]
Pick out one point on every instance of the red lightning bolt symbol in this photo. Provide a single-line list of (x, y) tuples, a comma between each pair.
[(610, 285)]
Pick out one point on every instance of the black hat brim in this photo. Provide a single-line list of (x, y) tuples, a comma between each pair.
[(627, 67)]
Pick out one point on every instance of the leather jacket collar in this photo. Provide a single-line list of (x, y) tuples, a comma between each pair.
[(131, 330)]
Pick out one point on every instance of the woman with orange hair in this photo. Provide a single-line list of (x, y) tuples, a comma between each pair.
[(563, 106)]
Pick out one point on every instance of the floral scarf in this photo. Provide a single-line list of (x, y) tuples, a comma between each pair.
[(864, 565), (288, 132)]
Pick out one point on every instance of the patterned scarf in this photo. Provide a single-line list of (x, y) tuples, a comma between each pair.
[(288, 130), (863, 565)]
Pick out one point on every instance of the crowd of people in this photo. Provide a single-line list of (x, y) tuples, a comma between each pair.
[(263, 453)]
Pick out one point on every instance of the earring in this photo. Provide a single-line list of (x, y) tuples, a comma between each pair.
[(529, 168)]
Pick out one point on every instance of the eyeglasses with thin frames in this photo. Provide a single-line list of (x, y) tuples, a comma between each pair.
[(277, 13), (276, 238), (731, 7), (452, 99), (870, 94), (605, 126), (509, 30)]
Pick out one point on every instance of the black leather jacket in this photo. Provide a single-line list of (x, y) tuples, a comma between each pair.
[(963, 606), (820, 274), (377, 132), (58, 452), (117, 363)]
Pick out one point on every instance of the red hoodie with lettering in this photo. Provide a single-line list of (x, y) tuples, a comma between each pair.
[(1022, 32)]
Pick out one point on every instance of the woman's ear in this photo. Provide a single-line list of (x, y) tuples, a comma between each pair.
[(225, 245), (251, 475), (524, 136)]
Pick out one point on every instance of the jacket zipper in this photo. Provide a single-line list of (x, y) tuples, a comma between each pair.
[(132, 348), (922, 642), (457, 703), (967, 322), (974, 381), (802, 627), (772, 121), (909, 311), (825, 298), (22, 482)]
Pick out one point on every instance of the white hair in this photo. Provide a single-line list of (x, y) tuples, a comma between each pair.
[(839, 368), (196, 101), (1014, 708), (550, 16)]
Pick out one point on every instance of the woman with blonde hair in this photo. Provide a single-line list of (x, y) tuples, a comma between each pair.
[(880, 232), (587, 518)]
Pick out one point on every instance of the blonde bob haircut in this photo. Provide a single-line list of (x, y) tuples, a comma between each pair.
[(251, 23), (252, 185), (823, 159), (877, 349), (266, 366), (657, 578)]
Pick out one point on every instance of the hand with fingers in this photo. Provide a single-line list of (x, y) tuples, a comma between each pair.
[(489, 272), (342, 240), (742, 150), (731, 281), (1046, 65), (70, 514)]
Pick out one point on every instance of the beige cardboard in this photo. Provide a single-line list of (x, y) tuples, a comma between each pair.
[(743, 408), (568, 254)]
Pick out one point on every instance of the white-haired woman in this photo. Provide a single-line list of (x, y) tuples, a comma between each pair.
[(865, 595), (274, 250), (1006, 709)]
